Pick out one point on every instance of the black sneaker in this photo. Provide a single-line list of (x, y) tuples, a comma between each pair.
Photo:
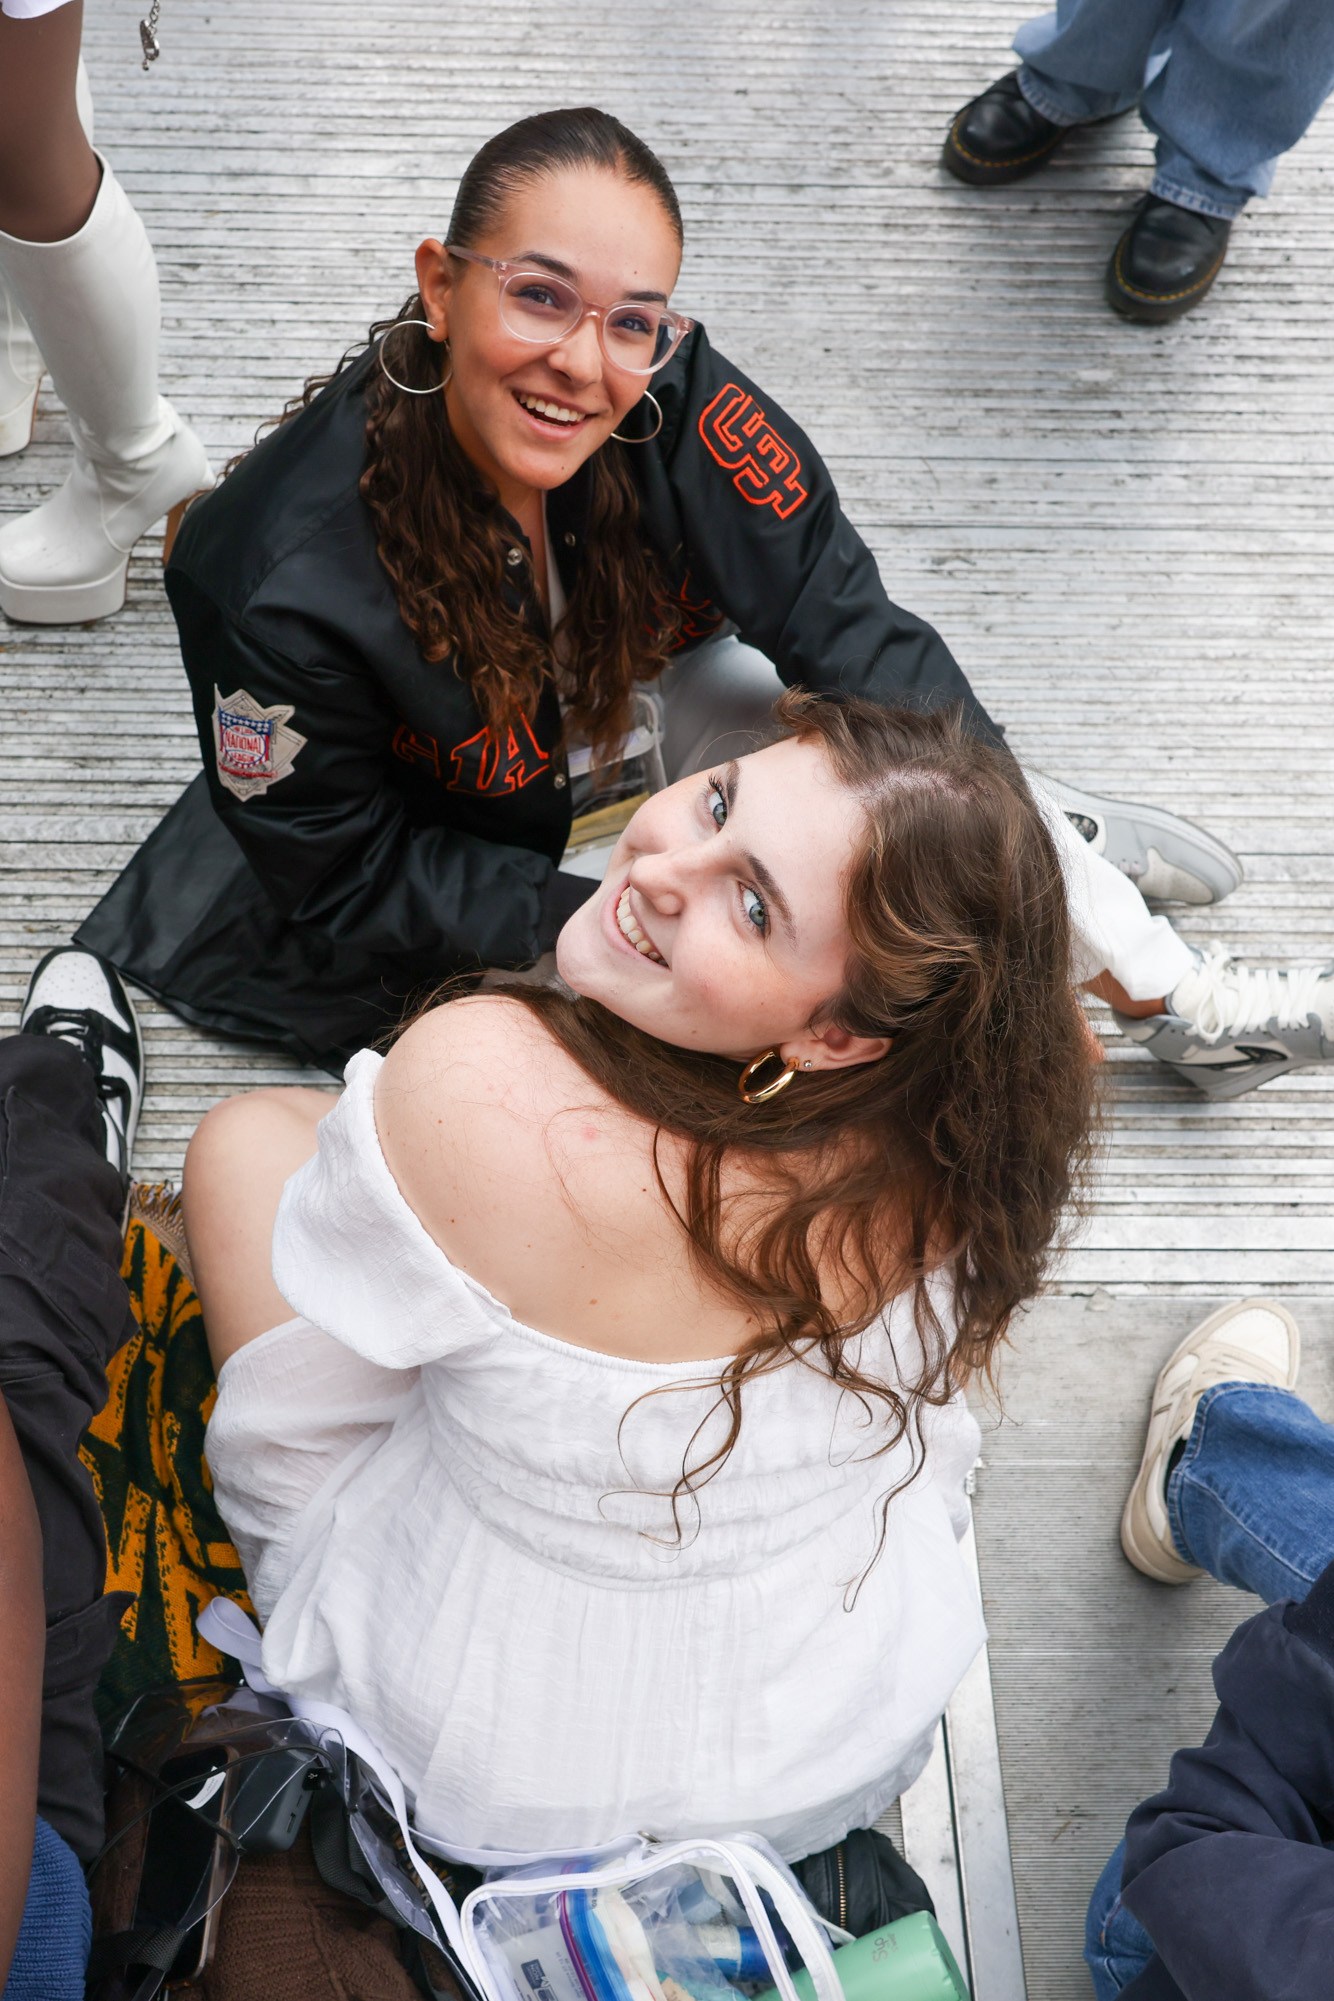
[(79, 998), (1165, 262), (998, 137)]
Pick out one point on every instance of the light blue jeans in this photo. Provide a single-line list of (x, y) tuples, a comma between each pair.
[(1251, 1500), (1227, 86)]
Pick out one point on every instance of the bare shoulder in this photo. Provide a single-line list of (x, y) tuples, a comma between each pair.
[(486, 1051), (483, 1115)]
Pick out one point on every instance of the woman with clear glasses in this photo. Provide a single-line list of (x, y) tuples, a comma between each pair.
[(536, 550)]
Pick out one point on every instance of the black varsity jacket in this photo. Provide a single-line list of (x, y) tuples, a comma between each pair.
[(382, 824)]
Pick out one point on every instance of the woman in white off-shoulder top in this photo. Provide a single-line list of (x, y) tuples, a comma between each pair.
[(590, 1417)]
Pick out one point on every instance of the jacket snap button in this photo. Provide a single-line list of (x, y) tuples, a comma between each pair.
[(514, 558), (570, 538), (560, 781)]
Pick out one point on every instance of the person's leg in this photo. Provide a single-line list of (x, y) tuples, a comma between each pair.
[(1237, 1473), (241, 1157), (49, 173), (63, 1313), (1087, 59), (1227, 1027), (1115, 931), (1251, 1498), (48, 182), (1116, 1946), (20, 377), (21, 364), (77, 266), (1245, 80), (717, 703)]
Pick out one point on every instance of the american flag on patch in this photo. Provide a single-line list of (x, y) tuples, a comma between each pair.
[(245, 744)]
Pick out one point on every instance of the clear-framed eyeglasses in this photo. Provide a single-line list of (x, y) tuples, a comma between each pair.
[(636, 334)]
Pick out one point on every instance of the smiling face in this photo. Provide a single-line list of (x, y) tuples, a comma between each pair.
[(528, 416), (720, 922)]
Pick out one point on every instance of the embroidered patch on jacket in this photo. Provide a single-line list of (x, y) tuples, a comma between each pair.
[(254, 746), (765, 470)]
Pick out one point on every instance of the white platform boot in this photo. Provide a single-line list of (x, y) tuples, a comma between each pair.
[(20, 377), (21, 366), (92, 305)]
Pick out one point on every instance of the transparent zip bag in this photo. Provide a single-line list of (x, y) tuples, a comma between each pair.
[(699, 1920), (605, 797)]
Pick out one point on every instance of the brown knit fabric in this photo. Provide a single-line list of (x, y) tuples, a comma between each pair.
[(284, 1935)]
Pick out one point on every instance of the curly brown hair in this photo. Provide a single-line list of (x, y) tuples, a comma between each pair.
[(441, 532), (945, 1166)]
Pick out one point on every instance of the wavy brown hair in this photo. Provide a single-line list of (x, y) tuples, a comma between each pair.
[(441, 533), (951, 1159)]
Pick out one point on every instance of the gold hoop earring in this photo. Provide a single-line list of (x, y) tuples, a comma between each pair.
[(647, 397), (437, 388), (764, 1092)]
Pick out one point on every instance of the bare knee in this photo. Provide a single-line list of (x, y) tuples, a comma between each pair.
[(49, 173), (248, 1145), (240, 1159)]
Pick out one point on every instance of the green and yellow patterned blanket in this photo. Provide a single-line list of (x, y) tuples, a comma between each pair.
[(166, 1541)]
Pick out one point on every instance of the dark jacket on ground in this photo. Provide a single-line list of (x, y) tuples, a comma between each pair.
[(1231, 1869), (357, 832)]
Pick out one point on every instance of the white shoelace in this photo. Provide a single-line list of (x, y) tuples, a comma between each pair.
[(1223, 998)]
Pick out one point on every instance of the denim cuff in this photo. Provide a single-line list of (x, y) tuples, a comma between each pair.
[(1183, 197), (1171, 1485), (1035, 90)]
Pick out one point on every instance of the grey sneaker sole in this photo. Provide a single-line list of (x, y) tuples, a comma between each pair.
[(1177, 840), (1138, 1538), (1231, 1080)]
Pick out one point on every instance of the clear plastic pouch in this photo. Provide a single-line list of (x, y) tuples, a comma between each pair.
[(605, 798), (676, 1921), (702, 1920)]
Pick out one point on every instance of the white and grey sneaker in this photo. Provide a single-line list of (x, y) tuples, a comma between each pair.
[(1252, 1341), (1230, 1027), (79, 998), (1169, 859)]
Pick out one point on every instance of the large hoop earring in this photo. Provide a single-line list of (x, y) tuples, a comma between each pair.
[(764, 1092), (647, 397), (437, 388)]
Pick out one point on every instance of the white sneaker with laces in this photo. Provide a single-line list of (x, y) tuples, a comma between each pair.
[(1252, 1341), (79, 998), (1230, 1027)]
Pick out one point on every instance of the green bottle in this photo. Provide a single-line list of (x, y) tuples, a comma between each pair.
[(906, 1961)]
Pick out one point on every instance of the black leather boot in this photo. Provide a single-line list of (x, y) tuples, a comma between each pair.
[(1166, 261), (999, 137)]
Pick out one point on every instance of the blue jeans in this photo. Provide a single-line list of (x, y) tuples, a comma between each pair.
[(1251, 1500), (1227, 86)]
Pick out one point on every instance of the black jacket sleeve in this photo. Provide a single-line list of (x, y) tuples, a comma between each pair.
[(331, 841), (765, 536), (1227, 1869)]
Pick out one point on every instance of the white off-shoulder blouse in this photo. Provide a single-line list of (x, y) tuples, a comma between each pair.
[(456, 1529)]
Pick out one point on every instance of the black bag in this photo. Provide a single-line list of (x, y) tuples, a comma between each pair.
[(209, 1779), (863, 1883)]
